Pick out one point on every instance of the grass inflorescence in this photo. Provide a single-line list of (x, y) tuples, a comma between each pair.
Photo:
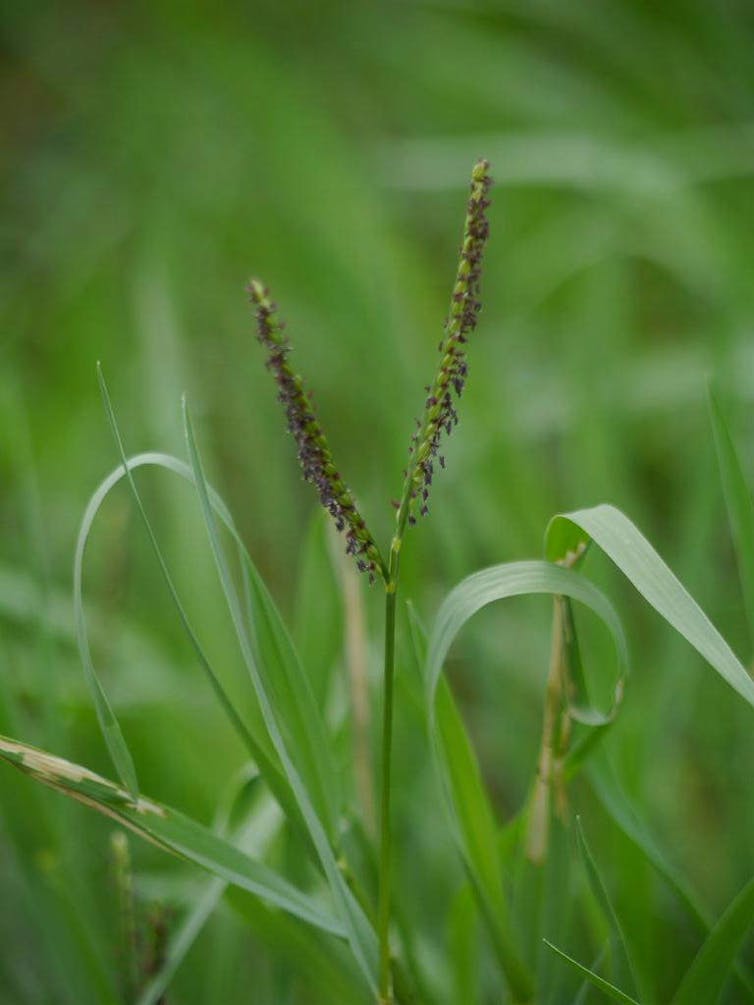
[(440, 415), (314, 454)]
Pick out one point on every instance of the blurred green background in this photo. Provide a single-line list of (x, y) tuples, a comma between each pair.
[(155, 156)]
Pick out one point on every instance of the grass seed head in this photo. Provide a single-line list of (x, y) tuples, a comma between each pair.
[(314, 453), (440, 415)]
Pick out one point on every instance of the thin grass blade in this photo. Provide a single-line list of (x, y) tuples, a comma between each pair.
[(108, 723), (469, 811), (599, 982), (257, 745), (713, 966), (253, 733), (360, 933), (627, 547), (169, 829)]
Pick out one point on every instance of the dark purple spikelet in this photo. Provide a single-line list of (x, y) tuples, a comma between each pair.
[(314, 453), (440, 414)]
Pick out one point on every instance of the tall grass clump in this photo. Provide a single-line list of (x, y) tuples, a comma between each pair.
[(523, 912)]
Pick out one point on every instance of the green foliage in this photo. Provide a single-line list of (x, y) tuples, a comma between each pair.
[(153, 157)]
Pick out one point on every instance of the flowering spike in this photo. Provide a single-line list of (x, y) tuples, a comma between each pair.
[(314, 453), (440, 414)]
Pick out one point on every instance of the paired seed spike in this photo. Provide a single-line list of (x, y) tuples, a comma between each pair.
[(440, 415)]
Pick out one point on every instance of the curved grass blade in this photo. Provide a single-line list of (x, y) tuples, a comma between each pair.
[(713, 965), (290, 801), (168, 829), (360, 933), (260, 755), (469, 811), (288, 686), (108, 723), (739, 503), (627, 547), (599, 982), (255, 738)]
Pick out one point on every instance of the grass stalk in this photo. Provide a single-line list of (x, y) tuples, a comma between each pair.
[(383, 915)]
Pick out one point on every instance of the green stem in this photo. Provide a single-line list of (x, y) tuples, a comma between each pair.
[(383, 912)]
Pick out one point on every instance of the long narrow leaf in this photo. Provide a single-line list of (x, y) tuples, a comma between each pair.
[(627, 547), (599, 982), (169, 829), (257, 751), (618, 806), (470, 813), (108, 723), (255, 735), (712, 967), (360, 933)]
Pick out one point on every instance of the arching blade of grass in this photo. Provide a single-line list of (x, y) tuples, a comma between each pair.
[(627, 547), (169, 829), (108, 723), (470, 813), (260, 753), (253, 734), (622, 955), (599, 982), (739, 503), (713, 965), (360, 933), (580, 708)]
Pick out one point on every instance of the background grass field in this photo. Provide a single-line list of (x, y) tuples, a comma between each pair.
[(155, 156)]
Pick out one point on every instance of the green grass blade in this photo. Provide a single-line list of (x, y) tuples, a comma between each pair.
[(108, 723), (260, 755), (169, 829), (361, 935), (622, 949), (627, 547), (617, 804), (298, 713), (713, 965), (255, 737), (464, 946), (619, 808), (599, 982), (739, 503), (469, 810)]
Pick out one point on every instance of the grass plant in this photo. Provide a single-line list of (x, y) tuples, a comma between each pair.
[(527, 911)]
